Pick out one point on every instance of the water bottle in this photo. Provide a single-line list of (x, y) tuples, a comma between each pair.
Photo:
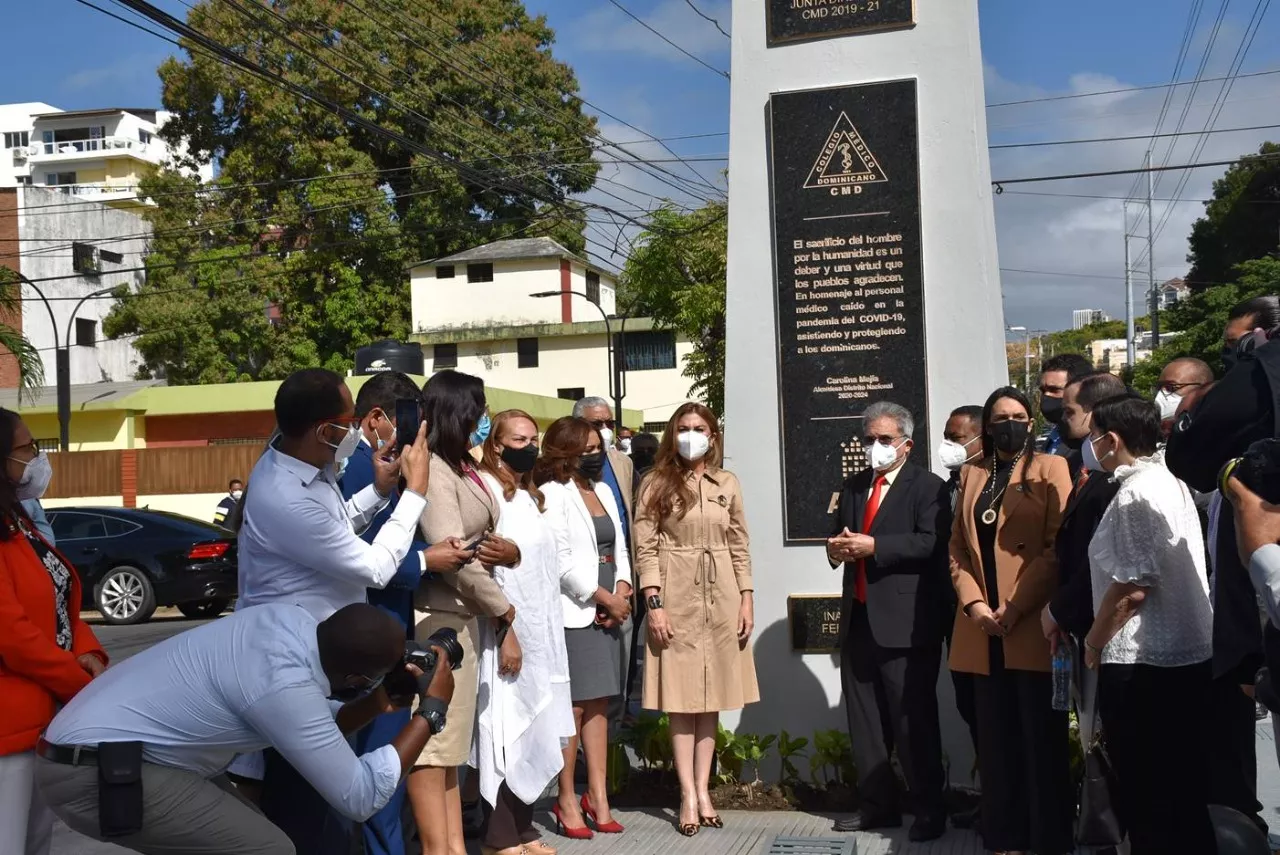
[(1062, 678)]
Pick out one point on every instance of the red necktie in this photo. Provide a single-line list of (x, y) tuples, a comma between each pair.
[(868, 516)]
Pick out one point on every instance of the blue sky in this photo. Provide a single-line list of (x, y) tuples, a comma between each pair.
[(1030, 50)]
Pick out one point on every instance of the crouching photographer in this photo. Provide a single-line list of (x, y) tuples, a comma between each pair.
[(1232, 415), (138, 758)]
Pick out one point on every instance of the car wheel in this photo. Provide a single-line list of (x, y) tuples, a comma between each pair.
[(204, 608), (125, 597)]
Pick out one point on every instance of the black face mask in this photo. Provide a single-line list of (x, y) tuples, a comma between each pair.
[(1075, 444), (347, 694), (1051, 409), (591, 466), (1229, 358), (520, 460), (1010, 435)]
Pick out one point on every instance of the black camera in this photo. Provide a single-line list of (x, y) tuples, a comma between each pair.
[(1258, 469), (403, 685)]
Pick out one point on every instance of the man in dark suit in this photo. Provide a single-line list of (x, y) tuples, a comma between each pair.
[(891, 535), (384, 832), (1071, 609)]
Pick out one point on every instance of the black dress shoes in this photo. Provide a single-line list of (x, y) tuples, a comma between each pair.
[(865, 821), (927, 828), (966, 818)]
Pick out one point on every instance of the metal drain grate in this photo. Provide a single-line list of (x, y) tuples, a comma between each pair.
[(813, 846)]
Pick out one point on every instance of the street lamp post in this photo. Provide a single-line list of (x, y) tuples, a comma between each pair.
[(62, 357), (617, 370), (1026, 381)]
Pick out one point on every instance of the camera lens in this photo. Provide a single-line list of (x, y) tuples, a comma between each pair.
[(447, 640)]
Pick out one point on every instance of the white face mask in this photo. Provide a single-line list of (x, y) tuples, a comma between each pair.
[(346, 447), (35, 478), (954, 454), (237, 494), (1168, 403), (606, 437), (625, 445), (692, 445), (883, 456), (1090, 456)]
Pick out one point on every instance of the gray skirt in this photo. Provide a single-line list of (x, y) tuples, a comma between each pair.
[(595, 662)]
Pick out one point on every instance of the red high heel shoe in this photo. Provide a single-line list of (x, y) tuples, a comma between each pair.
[(612, 827), (579, 833)]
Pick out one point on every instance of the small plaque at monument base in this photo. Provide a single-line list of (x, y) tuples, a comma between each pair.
[(815, 622), (806, 20)]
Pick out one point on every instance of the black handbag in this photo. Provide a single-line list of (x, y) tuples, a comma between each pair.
[(1100, 823)]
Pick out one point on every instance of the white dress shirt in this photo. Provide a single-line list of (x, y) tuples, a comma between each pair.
[(1150, 536), (240, 684), (1264, 570), (889, 478), (299, 542)]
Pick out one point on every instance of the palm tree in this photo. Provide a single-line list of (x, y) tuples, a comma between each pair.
[(30, 365)]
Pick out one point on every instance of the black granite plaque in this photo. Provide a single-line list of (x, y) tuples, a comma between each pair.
[(850, 302), (815, 622), (805, 20)]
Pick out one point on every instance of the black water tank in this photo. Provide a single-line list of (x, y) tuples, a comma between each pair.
[(388, 355)]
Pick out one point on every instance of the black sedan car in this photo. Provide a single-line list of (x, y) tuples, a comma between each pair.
[(131, 561)]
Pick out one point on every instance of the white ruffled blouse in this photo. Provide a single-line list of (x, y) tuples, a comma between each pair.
[(1150, 536)]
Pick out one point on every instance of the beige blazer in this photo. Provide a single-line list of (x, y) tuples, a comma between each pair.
[(459, 507), (1026, 564)]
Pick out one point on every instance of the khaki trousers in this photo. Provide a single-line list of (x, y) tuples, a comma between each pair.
[(182, 813)]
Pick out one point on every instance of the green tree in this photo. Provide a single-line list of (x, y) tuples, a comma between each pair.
[(296, 255), (676, 275), (1202, 317), (12, 341), (1242, 222)]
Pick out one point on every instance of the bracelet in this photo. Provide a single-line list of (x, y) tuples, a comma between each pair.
[(1090, 647)]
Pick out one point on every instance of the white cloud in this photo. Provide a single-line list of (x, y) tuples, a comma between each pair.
[(607, 28), (1084, 236)]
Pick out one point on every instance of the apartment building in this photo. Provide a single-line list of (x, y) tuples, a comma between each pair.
[(526, 314), (100, 155)]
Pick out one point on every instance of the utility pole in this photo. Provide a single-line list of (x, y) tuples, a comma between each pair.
[(1151, 261), (1128, 293)]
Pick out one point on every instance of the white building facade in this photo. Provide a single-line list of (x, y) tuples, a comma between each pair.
[(1081, 318), (72, 248), (474, 311), (92, 154)]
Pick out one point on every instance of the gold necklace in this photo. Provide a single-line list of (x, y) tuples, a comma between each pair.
[(990, 514)]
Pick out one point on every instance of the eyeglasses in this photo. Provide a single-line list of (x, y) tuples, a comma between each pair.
[(34, 445), (602, 423), (1171, 387), (883, 439)]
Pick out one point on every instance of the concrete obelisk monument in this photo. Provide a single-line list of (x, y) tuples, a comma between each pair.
[(862, 267)]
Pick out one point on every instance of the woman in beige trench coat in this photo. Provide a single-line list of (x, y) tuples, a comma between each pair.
[(693, 563)]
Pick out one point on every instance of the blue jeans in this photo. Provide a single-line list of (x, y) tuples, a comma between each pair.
[(383, 832)]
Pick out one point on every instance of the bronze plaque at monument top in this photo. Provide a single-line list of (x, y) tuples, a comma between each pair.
[(805, 20)]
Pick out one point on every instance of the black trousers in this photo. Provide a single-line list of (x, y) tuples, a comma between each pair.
[(891, 699), (1160, 760), (1233, 757), (1027, 803), (511, 822), (290, 802)]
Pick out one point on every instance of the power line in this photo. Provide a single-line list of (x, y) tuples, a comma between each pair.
[(1134, 137), (642, 23), (998, 184), (707, 17), (1127, 89)]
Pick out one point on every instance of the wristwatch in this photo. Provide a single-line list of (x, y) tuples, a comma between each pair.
[(433, 710), (654, 602)]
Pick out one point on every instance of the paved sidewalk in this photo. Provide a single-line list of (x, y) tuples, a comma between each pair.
[(650, 832)]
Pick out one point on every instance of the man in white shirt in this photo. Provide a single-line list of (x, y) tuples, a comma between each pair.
[(262, 676), (299, 543), (299, 540)]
